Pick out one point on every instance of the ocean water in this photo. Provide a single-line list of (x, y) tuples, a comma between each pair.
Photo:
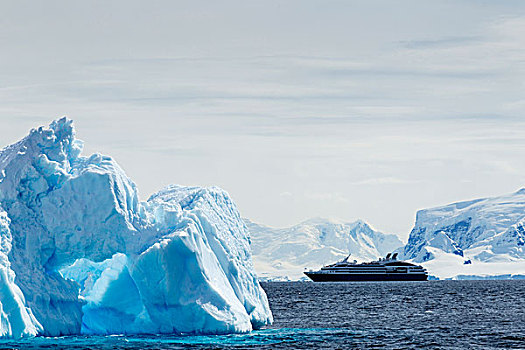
[(392, 315)]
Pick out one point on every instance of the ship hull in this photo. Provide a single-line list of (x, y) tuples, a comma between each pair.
[(349, 277)]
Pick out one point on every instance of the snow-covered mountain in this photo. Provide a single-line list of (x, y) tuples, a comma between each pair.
[(80, 253), (478, 237), (285, 252)]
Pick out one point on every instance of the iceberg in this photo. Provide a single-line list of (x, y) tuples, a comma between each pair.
[(81, 254)]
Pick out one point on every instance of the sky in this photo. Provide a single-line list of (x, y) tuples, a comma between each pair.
[(342, 109)]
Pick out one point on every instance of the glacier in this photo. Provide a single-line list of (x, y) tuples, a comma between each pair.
[(284, 253), (482, 237), (80, 253)]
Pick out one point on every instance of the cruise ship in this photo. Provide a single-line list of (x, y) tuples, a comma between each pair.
[(384, 269)]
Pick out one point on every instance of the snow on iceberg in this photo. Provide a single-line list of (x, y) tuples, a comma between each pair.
[(16, 320), (80, 253)]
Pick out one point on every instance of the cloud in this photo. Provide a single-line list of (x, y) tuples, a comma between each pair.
[(382, 181), (285, 194), (333, 101), (441, 43), (327, 197)]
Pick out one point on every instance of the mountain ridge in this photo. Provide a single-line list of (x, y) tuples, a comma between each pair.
[(484, 236), (285, 252)]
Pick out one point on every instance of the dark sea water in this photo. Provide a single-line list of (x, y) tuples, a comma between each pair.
[(392, 315)]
